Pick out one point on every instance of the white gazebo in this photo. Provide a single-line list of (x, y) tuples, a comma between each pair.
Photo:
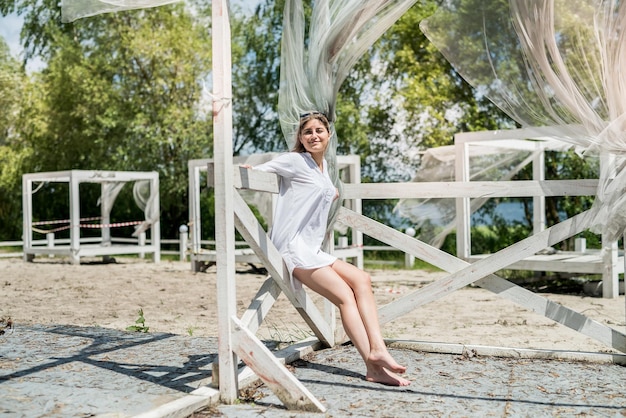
[(107, 244)]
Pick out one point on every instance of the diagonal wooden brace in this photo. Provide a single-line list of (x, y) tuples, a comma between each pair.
[(481, 273), (292, 393), (254, 234)]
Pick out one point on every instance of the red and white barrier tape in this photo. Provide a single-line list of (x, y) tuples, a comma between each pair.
[(88, 226)]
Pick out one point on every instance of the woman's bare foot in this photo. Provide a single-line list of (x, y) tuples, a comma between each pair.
[(384, 359), (378, 374)]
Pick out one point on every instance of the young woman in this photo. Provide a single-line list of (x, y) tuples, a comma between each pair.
[(300, 221)]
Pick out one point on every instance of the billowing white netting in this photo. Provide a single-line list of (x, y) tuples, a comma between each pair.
[(76, 9), (314, 65), (554, 63), (144, 196)]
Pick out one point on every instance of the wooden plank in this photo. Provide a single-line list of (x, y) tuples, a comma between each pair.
[(74, 219), (261, 305), (224, 212), (285, 356), (473, 189), (255, 235), (244, 178), (293, 394), (564, 263), (503, 288), (556, 312)]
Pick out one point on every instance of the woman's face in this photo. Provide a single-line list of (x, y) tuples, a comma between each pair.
[(314, 137)]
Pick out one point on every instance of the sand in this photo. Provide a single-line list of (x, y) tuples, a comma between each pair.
[(174, 299)]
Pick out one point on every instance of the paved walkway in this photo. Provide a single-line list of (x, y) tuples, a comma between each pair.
[(63, 371)]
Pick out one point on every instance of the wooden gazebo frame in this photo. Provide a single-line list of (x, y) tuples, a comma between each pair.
[(236, 336)]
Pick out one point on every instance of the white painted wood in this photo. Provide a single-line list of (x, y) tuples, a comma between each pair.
[(555, 311), (155, 228), (255, 235), (611, 269), (27, 216), (508, 352), (465, 273), (497, 261), (75, 248), (224, 211), (462, 204), (539, 202), (105, 219), (285, 356), (261, 181), (350, 166), (442, 189), (261, 304), (194, 207), (184, 407), (269, 369), (592, 262), (74, 218)]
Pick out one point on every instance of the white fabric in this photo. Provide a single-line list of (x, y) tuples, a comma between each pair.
[(72, 10), (302, 208), (556, 63)]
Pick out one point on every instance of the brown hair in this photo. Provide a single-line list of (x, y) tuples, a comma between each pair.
[(304, 118)]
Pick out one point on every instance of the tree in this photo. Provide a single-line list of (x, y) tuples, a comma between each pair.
[(13, 151), (121, 91)]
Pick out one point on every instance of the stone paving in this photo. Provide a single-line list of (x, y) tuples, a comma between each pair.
[(66, 371)]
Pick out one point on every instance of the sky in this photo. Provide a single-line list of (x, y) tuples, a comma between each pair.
[(10, 27)]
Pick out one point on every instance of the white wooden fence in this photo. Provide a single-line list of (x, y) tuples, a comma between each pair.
[(462, 272), (182, 247)]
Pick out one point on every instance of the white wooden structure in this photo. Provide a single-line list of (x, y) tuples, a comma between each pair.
[(106, 245), (236, 335), (607, 262), (347, 247), (462, 273)]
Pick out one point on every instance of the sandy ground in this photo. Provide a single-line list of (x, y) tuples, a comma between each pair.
[(176, 300)]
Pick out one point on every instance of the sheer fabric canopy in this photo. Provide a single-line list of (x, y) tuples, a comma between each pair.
[(554, 63)]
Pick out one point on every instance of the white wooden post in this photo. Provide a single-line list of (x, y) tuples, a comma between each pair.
[(194, 209), (105, 216), (182, 241), (539, 202), (74, 184), (27, 216), (463, 212), (354, 170), (141, 241), (224, 216), (155, 230), (50, 242)]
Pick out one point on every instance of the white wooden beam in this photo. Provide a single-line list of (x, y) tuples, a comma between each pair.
[(224, 217), (255, 236), (261, 305), (466, 273), (292, 393), (474, 189)]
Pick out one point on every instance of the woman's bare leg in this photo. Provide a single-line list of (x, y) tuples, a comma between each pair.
[(358, 315), (361, 284)]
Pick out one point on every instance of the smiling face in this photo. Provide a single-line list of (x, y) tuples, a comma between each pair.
[(314, 135)]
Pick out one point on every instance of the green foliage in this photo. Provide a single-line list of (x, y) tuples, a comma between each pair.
[(14, 152), (140, 323), (122, 91)]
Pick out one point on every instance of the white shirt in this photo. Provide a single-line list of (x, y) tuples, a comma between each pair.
[(300, 220)]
